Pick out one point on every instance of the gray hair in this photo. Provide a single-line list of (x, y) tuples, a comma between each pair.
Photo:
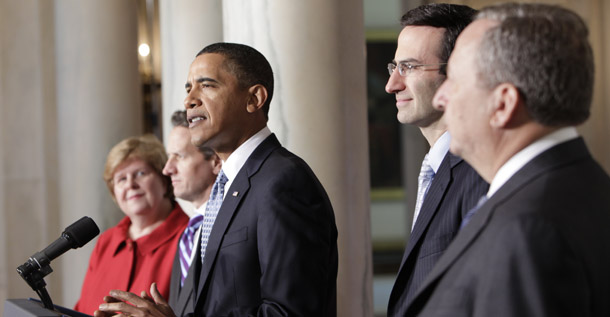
[(543, 50)]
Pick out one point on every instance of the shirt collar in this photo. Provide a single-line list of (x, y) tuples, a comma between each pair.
[(200, 210), (438, 151), (517, 161), (238, 158)]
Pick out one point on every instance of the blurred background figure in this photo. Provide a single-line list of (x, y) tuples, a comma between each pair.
[(140, 249), (193, 171)]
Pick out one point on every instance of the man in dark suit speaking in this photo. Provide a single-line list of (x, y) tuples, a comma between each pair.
[(271, 247), (519, 80)]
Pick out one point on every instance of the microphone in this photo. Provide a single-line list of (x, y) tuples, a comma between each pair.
[(74, 236)]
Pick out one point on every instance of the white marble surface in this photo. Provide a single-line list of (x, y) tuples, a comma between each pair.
[(70, 91), (98, 104), (316, 49), (187, 26)]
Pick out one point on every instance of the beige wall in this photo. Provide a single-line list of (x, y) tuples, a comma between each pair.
[(596, 130)]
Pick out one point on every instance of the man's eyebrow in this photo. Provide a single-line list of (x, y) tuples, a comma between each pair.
[(408, 60), (201, 80)]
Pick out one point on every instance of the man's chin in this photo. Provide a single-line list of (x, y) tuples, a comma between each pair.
[(455, 149), (198, 141)]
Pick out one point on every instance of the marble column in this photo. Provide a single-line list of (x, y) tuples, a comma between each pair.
[(29, 208), (98, 100), (187, 26), (317, 51)]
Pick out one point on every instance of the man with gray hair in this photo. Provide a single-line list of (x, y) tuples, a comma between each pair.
[(519, 80)]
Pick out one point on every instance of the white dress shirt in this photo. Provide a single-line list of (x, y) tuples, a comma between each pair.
[(435, 157), (238, 158), (517, 161)]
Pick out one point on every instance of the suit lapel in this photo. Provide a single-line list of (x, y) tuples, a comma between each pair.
[(174, 286), (186, 291), (230, 204), (561, 154)]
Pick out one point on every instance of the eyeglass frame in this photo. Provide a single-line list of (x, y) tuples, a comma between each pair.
[(409, 66)]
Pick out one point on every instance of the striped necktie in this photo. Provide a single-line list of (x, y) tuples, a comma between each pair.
[(186, 245), (211, 210), (426, 175)]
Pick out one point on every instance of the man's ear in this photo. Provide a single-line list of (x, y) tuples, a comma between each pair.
[(216, 164), (258, 96), (506, 102)]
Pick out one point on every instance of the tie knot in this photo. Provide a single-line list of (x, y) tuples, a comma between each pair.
[(195, 222), (222, 178), (426, 169)]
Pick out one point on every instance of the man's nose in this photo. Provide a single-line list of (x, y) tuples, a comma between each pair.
[(169, 167), (395, 83), (191, 101)]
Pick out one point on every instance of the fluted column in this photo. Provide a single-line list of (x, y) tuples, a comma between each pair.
[(29, 211), (187, 26), (98, 104), (316, 49)]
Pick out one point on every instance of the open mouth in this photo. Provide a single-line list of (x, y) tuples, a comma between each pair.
[(195, 119)]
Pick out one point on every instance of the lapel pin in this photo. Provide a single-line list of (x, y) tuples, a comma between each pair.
[(235, 194)]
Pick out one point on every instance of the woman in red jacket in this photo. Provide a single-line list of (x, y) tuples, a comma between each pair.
[(140, 249)]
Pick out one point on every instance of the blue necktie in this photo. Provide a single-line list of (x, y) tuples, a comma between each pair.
[(472, 211), (212, 209), (186, 245)]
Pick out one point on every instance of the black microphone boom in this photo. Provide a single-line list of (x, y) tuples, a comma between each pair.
[(75, 236), (38, 265)]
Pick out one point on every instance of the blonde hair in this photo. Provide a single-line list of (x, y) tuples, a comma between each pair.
[(146, 148)]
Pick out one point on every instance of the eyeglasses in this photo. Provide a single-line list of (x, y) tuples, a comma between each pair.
[(405, 68)]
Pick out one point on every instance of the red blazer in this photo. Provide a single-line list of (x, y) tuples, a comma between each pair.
[(117, 262)]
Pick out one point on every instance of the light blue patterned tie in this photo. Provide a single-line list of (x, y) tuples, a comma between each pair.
[(426, 174), (211, 210)]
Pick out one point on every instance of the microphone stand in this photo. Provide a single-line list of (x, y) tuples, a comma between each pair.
[(35, 278)]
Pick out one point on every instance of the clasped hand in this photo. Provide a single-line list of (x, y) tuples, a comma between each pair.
[(121, 303)]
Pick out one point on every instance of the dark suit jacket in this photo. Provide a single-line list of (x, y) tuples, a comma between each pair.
[(455, 189), (273, 247), (540, 246), (182, 299)]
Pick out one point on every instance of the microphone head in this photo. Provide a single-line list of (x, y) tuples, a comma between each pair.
[(81, 232)]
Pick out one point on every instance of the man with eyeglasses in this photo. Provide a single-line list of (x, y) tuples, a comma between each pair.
[(448, 187)]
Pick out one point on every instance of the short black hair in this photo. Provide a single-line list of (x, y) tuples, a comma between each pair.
[(451, 17), (247, 64)]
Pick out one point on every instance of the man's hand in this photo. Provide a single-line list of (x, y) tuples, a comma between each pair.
[(117, 304)]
